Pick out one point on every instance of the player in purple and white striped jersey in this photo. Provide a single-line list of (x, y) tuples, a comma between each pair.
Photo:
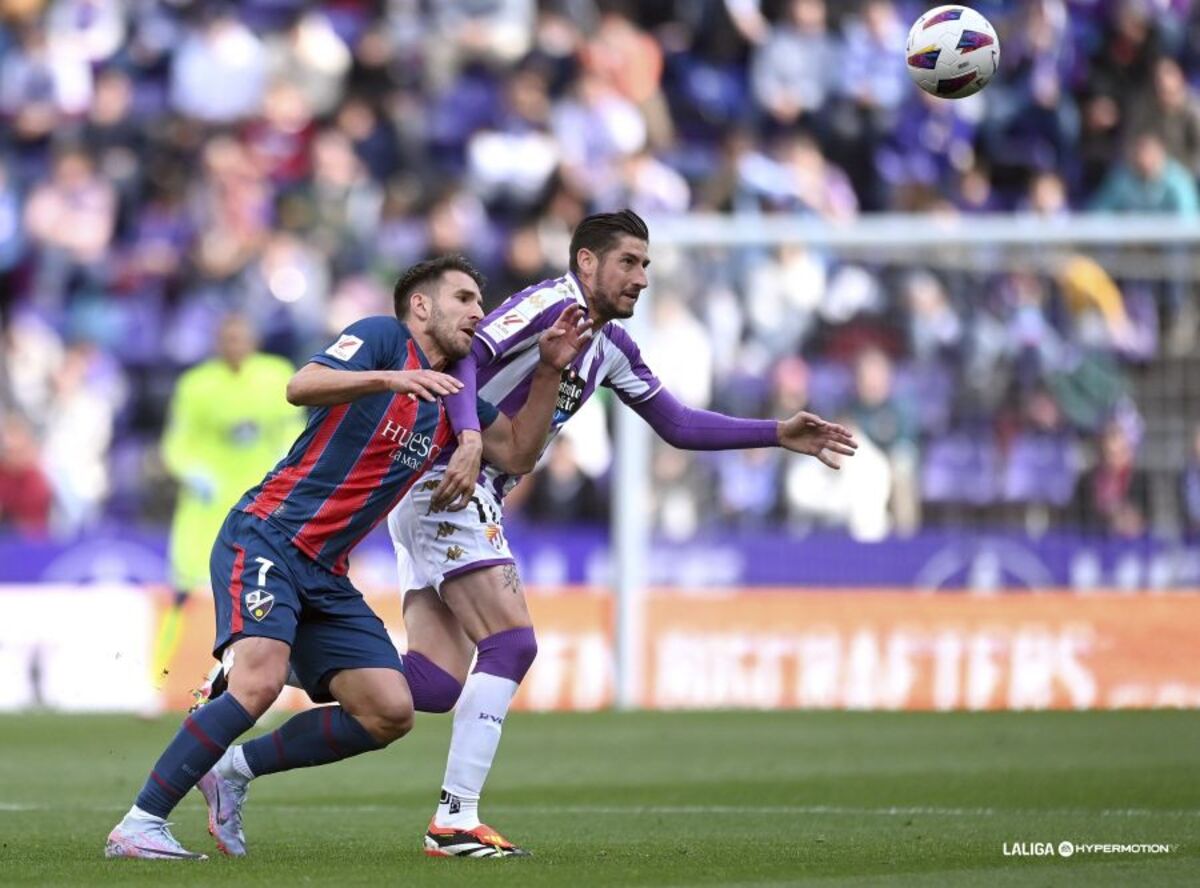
[(462, 591)]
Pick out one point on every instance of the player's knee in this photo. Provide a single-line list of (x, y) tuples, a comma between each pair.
[(256, 676), (525, 650), (433, 689), (256, 691), (442, 700), (388, 720), (508, 654)]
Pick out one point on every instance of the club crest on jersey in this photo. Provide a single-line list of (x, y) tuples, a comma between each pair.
[(345, 348), (494, 534), (259, 603), (570, 396)]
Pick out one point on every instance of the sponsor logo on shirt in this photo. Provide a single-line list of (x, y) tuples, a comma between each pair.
[(411, 449), (345, 348), (570, 396)]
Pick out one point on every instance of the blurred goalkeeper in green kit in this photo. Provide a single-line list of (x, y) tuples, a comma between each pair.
[(228, 424)]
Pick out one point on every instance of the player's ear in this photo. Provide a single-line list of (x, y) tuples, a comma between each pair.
[(420, 305), (587, 261)]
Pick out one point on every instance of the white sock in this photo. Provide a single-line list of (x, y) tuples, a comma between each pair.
[(136, 813), (478, 720), (232, 765)]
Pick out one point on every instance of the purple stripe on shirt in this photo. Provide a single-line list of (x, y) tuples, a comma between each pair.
[(623, 341), (499, 346), (504, 351), (515, 399)]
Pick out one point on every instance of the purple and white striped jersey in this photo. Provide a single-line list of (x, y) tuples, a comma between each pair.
[(506, 355)]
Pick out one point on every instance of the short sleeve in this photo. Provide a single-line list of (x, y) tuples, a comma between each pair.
[(625, 371), (516, 324), (375, 343)]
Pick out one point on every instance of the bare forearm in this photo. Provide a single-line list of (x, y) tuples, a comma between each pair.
[(515, 444), (532, 423), (318, 386)]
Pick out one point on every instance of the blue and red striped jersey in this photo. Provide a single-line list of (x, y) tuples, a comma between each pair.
[(353, 462)]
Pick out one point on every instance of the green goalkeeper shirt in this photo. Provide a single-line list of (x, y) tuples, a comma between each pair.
[(225, 430)]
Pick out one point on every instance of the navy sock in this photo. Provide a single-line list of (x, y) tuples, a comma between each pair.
[(315, 737), (201, 741)]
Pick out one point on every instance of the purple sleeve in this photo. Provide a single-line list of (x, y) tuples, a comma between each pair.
[(689, 429), (460, 407)]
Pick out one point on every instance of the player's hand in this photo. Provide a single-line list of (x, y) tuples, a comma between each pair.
[(454, 493), (428, 385), (809, 434), (559, 345)]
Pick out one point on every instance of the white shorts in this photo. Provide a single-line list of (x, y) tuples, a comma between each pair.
[(434, 547)]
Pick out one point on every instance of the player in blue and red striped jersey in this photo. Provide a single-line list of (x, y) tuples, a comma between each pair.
[(474, 603), (279, 565)]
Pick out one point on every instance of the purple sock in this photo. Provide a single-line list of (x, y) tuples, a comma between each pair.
[(433, 688), (507, 654), (314, 737), (201, 741)]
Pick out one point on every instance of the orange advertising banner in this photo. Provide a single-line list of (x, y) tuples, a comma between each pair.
[(904, 650), (783, 648)]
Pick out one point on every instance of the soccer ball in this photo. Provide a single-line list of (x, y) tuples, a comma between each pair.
[(952, 52)]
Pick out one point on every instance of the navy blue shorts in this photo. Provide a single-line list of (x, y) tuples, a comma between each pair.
[(264, 587)]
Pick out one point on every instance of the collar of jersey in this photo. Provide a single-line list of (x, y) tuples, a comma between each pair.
[(575, 288), (413, 347)]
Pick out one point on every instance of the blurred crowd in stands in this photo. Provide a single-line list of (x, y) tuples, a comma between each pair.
[(163, 162)]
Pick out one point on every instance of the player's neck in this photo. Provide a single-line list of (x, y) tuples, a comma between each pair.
[(434, 355), (595, 318)]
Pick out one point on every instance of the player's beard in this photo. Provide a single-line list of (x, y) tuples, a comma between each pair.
[(453, 343), (609, 305)]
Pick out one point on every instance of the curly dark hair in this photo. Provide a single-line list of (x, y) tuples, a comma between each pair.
[(428, 271)]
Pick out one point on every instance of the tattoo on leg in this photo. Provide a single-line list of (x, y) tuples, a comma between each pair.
[(512, 580)]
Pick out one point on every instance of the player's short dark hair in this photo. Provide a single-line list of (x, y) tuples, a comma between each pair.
[(428, 271), (600, 231)]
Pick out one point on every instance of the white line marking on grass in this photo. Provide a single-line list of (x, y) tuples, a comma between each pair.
[(898, 811), (685, 810)]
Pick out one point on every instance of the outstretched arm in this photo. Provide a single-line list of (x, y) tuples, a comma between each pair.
[(515, 444), (315, 385), (691, 429)]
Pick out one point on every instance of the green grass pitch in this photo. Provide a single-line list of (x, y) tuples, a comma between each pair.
[(652, 799)]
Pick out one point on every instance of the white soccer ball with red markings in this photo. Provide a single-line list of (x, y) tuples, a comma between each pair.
[(952, 52)]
